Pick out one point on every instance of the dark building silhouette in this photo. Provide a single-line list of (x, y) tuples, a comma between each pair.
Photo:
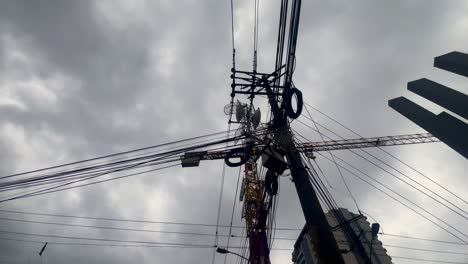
[(449, 129)]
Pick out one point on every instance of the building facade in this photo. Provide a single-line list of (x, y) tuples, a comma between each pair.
[(304, 252)]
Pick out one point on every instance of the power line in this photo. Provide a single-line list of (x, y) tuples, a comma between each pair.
[(111, 155), (200, 224), (107, 163), (406, 199), (429, 260), (409, 248), (96, 239), (192, 245), (414, 187), (159, 156), (424, 239), (223, 174), (404, 203), (86, 184), (144, 245), (117, 166), (232, 214), (106, 245), (428, 250), (196, 224), (131, 220), (230, 235), (397, 177), (151, 244), (336, 164), (114, 228), (391, 155)]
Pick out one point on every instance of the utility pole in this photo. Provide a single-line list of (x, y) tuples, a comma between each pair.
[(280, 91), (319, 230)]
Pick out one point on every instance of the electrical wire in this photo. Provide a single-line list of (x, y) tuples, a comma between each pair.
[(106, 245), (242, 243), (406, 176), (391, 155), (117, 167), (131, 220), (146, 244), (95, 239), (412, 209), (414, 187), (333, 209), (133, 159), (406, 199), (427, 250), (423, 239), (203, 225), (429, 260), (223, 174), (53, 189), (162, 245), (116, 228), (399, 178), (191, 224), (229, 235), (336, 165), (233, 210), (79, 171), (110, 155)]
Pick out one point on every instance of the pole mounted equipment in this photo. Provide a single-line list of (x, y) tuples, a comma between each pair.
[(280, 91)]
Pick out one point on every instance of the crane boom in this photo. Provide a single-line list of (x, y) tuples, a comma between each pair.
[(310, 147), (367, 142)]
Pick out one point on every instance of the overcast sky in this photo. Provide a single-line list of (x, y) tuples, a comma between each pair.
[(80, 79)]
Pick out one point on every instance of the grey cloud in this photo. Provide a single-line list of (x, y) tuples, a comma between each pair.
[(159, 73)]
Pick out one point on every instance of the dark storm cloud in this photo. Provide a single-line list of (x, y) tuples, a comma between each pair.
[(93, 77), (109, 70)]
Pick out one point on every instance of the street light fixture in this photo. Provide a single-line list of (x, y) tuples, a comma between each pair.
[(225, 251)]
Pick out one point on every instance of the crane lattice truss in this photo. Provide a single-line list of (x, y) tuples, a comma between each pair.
[(310, 147), (252, 193), (367, 142)]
